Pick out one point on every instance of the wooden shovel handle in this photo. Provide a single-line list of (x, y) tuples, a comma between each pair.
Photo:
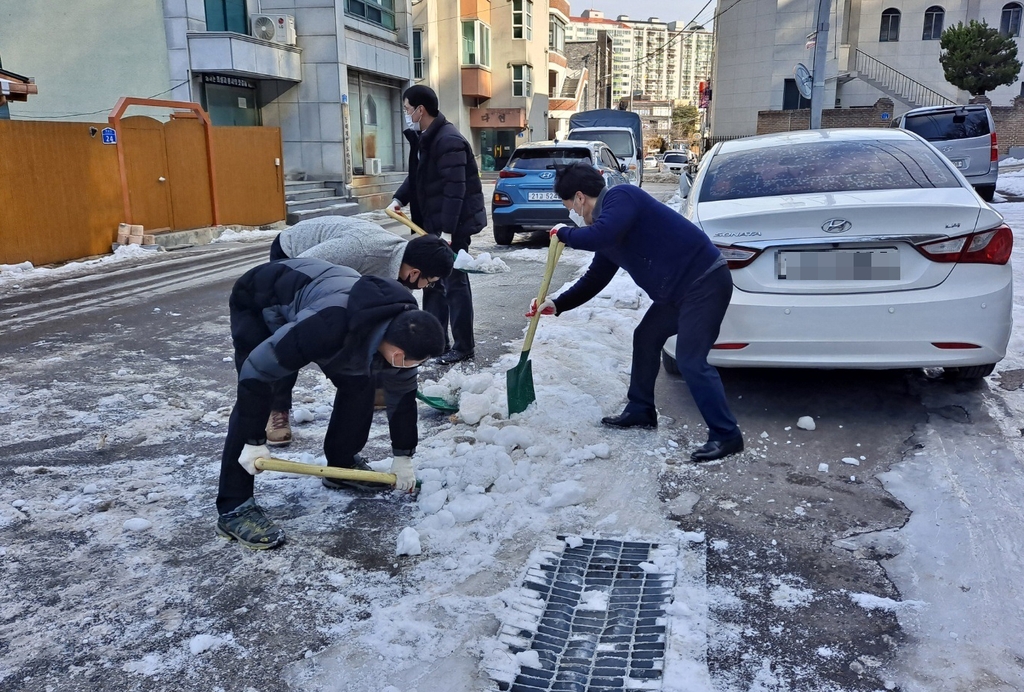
[(554, 252), (271, 464), (404, 220)]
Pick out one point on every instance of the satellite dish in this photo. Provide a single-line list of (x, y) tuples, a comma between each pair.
[(803, 80)]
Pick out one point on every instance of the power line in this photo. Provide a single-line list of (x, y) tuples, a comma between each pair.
[(77, 115)]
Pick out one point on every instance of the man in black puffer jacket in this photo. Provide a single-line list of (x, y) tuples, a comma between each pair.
[(444, 192), (290, 313)]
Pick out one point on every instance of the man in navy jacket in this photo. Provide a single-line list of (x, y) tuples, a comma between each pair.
[(686, 278)]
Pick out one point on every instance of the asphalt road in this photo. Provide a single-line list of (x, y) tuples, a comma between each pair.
[(784, 520)]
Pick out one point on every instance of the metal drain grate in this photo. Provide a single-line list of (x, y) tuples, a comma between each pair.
[(602, 622)]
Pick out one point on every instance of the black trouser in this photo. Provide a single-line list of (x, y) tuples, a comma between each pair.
[(349, 427), (696, 321), (276, 253), (451, 300)]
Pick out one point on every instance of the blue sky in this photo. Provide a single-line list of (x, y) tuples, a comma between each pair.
[(665, 10)]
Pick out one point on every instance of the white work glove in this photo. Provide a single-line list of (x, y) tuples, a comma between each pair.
[(546, 308), (395, 206), (250, 453), (405, 474)]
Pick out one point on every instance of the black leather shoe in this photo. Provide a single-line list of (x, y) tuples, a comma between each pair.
[(716, 449), (452, 356), (359, 464), (631, 420)]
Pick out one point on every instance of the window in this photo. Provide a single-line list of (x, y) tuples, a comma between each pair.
[(890, 30), (377, 11), (959, 123), (933, 17), (820, 167), (522, 19), (791, 97), (476, 44), (545, 158), (1010, 23), (419, 63), (556, 35), (522, 80), (227, 15)]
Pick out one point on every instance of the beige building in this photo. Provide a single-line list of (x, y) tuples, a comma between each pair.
[(488, 62)]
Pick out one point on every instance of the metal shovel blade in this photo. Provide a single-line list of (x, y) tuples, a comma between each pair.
[(519, 383), (436, 402)]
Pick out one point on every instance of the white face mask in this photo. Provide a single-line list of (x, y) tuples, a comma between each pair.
[(576, 217), (410, 125)]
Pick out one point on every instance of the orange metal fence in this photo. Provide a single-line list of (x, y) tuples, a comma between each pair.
[(61, 192)]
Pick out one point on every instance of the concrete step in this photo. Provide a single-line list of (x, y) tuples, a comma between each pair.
[(318, 193), (343, 209), (301, 205), (298, 185), (375, 189)]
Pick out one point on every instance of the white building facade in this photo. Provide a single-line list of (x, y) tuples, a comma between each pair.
[(876, 48)]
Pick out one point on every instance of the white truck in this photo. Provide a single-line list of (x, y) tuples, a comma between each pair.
[(622, 131)]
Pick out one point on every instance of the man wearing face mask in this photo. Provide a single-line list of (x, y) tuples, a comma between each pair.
[(444, 192), (686, 278), (367, 248), (293, 312)]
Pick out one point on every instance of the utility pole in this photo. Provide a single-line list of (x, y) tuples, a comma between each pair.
[(820, 61)]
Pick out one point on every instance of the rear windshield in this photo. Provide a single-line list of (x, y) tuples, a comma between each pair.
[(541, 159), (675, 158), (816, 167), (940, 127), (621, 143)]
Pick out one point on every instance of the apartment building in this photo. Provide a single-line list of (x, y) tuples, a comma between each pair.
[(329, 73), (596, 57), (876, 48), (490, 64), (695, 53)]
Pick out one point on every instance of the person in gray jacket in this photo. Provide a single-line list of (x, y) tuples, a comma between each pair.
[(370, 250), (290, 313)]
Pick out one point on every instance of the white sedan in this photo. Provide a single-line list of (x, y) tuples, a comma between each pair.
[(855, 248)]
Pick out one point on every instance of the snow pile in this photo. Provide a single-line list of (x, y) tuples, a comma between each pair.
[(805, 423), (25, 271), (408, 542), (871, 602), (481, 263), (1011, 183), (231, 235), (15, 268)]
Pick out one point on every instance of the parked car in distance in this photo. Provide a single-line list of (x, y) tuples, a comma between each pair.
[(852, 248), (676, 161), (966, 135), (524, 198), (651, 163)]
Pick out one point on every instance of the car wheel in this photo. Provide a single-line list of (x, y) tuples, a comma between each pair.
[(669, 363), (970, 372), (987, 192), (504, 235)]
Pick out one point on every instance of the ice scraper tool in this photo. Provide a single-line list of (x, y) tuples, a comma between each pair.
[(519, 380), (406, 221)]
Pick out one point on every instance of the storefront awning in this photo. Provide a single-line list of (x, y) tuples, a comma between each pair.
[(237, 55), (498, 117)]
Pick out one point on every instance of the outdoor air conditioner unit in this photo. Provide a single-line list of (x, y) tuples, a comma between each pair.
[(372, 166), (278, 28)]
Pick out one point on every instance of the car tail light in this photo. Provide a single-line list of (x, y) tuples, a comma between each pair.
[(500, 199), (505, 173), (738, 257), (953, 345), (995, 149), (730, 346), (985, 247)]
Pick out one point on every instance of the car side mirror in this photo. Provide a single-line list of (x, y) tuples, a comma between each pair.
[(622, 168), (685, 185)]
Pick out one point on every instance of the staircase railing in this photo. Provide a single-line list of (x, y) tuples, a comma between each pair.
[(901, 84)]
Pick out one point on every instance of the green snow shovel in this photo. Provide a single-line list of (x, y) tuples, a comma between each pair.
[(406, 221), (519, 380), (436, 402)]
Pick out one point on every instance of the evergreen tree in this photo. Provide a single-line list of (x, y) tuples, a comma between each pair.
[(977, 58)]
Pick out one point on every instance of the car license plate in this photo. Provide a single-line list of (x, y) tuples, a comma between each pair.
[(880, 264), (541, 196)]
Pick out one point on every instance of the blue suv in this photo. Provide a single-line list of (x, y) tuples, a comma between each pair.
[(524, 198)]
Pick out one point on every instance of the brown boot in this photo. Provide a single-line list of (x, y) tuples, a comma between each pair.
[(378, 399), (279, 430)]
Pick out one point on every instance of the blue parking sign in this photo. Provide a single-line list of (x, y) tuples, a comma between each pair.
[(886, 116), (109, 135)]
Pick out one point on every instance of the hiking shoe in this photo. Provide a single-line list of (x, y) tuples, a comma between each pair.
[(359, 464), (279, 429), (452, 356), (248, 525), (379, 399)]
